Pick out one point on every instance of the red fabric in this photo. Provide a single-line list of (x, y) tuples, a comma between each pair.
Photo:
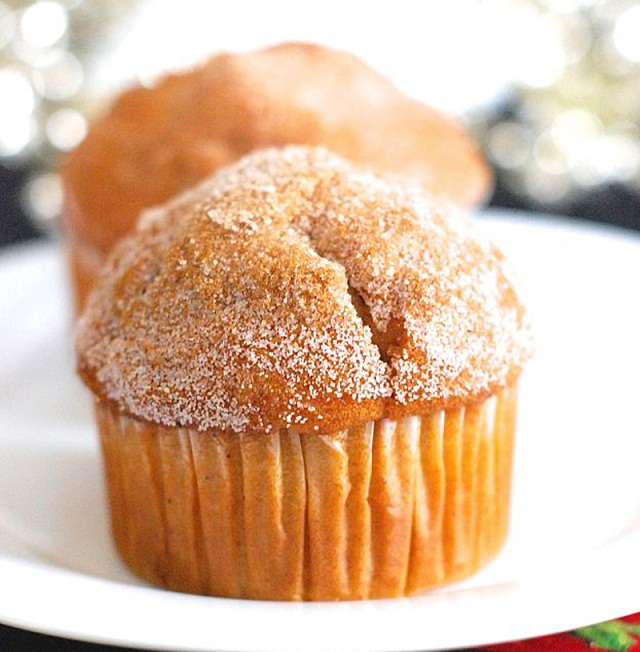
[(620, 635)]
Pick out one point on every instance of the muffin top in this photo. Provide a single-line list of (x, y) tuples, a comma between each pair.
[(292, 289), (155, 142)]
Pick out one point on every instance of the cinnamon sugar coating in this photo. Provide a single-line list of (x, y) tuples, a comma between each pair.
[(292, 289), (156, 142)]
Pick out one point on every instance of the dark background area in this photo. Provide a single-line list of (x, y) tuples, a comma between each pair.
[(14, 224), (613, 204)]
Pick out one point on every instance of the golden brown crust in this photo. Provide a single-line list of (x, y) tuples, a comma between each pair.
[(232, 307), (156, 142)]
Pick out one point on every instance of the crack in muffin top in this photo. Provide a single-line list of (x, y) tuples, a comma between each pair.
[(292, 289)]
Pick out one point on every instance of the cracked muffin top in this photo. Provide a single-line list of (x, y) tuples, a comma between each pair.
[(292, 289), (156, 142)]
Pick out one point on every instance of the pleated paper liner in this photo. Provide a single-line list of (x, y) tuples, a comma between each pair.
[(384, 509)]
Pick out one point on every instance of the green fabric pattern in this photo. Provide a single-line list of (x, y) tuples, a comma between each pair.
[(614, 636)]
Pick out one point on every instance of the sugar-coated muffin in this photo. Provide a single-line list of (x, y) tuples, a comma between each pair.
[(155, 142), (306, 380)]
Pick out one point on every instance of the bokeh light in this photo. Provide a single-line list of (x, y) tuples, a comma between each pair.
[(43, 24), (60, 78), (66, 128), (16, 112), (43, 197), (626, 35), (551, 88)]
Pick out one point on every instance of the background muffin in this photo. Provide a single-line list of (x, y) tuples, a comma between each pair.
[(305, 382), (155, 142)]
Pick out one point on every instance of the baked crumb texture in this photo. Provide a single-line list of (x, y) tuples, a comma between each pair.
[(293, 290)]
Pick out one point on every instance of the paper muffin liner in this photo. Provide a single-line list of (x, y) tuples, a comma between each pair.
[(383, 509)]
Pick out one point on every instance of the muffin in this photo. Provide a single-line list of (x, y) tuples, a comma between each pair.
[(305, 380), (156, 142)]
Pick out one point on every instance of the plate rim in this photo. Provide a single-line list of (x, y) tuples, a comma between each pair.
[(31, 252)]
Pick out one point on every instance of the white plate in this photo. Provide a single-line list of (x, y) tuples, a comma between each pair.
[(571, 558)]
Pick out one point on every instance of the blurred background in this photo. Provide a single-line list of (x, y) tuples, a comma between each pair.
[(550, 88)]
